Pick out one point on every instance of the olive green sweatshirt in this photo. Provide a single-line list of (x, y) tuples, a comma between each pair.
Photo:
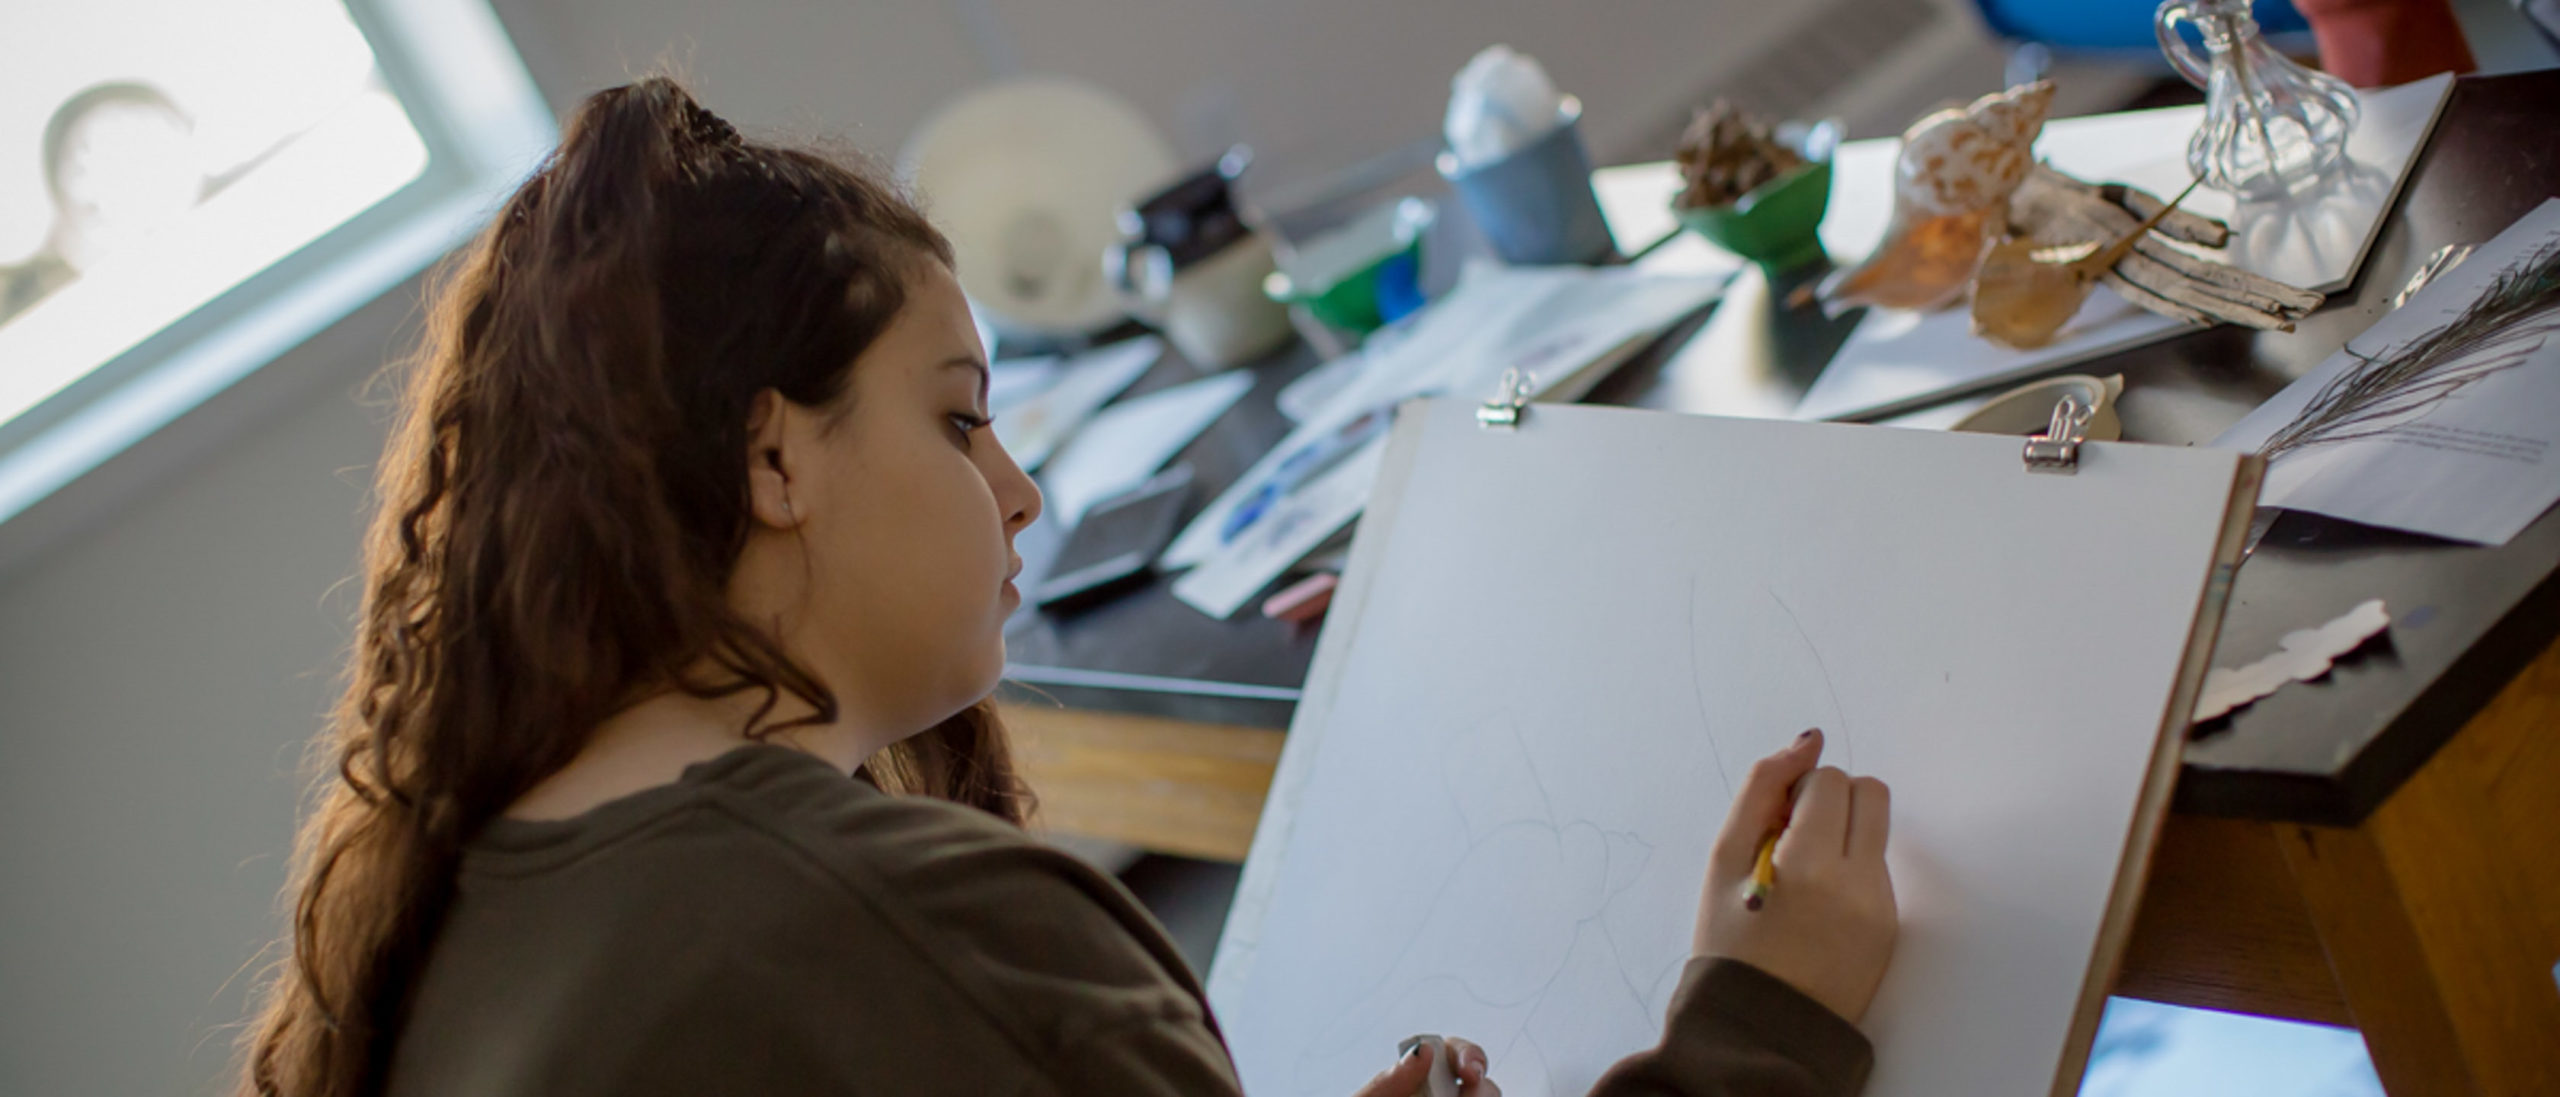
[(769, 925)]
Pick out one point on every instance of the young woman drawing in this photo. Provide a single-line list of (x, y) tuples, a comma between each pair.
[(666, 764)]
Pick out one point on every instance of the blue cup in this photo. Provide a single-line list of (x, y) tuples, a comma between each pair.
[(1536, 204)]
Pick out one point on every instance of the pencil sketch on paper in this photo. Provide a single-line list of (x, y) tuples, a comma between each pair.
[(1557, 934), (1759, 678), (1532, 972)]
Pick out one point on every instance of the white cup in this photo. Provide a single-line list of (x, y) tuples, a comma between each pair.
[(1214, 310)]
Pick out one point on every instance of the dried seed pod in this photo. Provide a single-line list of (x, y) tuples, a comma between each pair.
[(1726, 154)]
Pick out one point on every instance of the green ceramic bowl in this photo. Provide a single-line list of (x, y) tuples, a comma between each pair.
[(1351, 301), (1345, 276), (1777, 225)]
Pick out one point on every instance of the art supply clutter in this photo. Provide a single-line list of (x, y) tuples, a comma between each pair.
[(2274, 257), (1563, 326)]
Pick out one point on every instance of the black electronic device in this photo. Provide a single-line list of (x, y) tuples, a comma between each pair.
[(1117, 541)]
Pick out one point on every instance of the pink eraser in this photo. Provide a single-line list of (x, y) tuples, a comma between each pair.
[(1304, 600)]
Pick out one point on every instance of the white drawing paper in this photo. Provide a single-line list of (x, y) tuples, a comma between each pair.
[(1544, 676)]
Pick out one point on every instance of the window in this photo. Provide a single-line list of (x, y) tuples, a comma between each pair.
[(188, 188)]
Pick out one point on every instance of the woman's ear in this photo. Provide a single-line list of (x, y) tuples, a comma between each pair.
[(768, 469)]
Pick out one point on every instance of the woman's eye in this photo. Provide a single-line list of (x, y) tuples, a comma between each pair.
[(969, 423)]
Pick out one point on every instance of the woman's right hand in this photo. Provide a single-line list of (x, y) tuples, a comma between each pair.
[(1410, 1074), (1827, 926)]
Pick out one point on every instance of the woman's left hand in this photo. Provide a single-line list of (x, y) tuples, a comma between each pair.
[(1405, 1079)]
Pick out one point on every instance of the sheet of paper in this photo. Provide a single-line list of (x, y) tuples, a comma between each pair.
[(1552, 322), (1033, 427), (1300, 523), (1899, 359), (1315, 388), (1564, 364), (2478, 466), (1119, 448), (1635, 202), (1544, 675)]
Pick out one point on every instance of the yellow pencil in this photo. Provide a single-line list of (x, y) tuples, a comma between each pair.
[(1764, 874)]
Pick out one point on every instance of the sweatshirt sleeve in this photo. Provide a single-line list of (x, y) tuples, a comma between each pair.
[(1167, 1058), (1737, 1031)]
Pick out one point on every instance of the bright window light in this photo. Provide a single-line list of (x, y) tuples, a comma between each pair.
[(154, 153), (190, 187)]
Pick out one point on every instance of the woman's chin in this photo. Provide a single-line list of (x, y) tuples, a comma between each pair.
[(991, 673)]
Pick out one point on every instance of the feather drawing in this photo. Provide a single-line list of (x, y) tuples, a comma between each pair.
[(2495, 333)]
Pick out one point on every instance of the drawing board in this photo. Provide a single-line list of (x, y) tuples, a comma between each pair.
[(1557, 650)]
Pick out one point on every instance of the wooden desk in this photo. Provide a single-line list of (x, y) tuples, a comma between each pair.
[(2381, 850)]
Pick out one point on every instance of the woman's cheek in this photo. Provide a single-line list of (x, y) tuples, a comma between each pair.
[(967, 571)]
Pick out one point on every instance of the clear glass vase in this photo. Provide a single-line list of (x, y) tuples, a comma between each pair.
[(2270, 125)]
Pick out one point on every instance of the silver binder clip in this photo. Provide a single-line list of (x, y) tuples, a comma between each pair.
[(2058, 448), (1510, 401)]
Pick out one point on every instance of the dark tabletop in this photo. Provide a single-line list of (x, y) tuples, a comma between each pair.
[(2465, 618)]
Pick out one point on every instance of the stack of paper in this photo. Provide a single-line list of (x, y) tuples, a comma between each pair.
[(1561, 326)]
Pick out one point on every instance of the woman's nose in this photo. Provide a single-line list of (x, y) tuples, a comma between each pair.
[(1018, 494)]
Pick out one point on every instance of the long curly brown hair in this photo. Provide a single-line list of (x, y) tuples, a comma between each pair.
[(560, 508)]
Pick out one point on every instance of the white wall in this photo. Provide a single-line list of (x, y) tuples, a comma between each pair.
[(1315, 85), (161, 669), (157, 677), (1321, 79)]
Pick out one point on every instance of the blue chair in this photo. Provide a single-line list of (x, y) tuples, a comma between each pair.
[(2040, 29), (2106, 25)]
